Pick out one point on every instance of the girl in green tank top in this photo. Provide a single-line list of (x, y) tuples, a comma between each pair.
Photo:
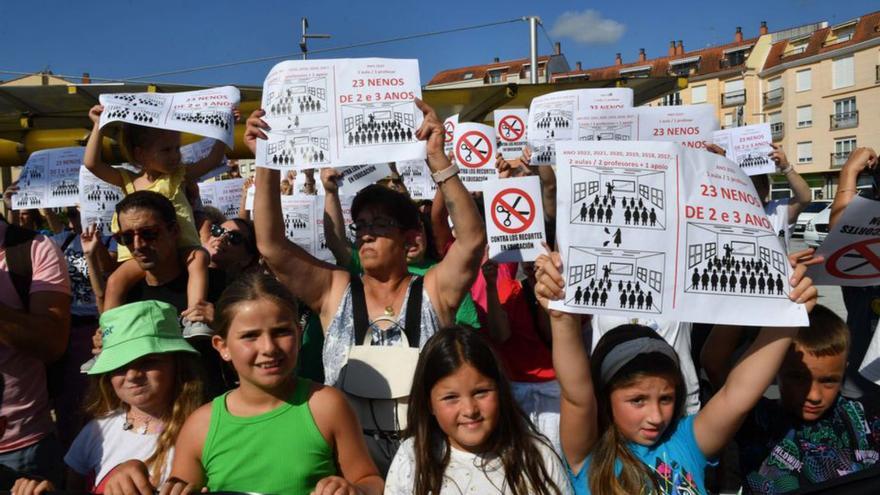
[(276, 433)]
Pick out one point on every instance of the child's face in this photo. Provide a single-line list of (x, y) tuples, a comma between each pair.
[(145, 383), (161, 153), (808, 384), (642, 411), (261, 343), (465, 405)]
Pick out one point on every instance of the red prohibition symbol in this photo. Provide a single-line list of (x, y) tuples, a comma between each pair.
[(450, 131), (861, 254), (473, 149), (505, 214), (511, 128)]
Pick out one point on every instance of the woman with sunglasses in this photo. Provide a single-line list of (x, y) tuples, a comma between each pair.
[(367, 316), (232, 247)]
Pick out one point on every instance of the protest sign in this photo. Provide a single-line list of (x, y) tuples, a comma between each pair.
[(321, 250), (194, 152), (225, 195), (668, 232), (342, 112), (474, 152), (510, 129), (207, 112), (417, 179), (353, 179), (449, 133), (97, 201), (551, 117), (748, 146), (514, 218), (50, 179), (852, 249)]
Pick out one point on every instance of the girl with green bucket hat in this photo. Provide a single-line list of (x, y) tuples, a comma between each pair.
[(276, 433), (144, 385)]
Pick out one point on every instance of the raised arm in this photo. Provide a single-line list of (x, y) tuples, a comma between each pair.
[(289, 262), (440, 223), (859, 160), (448, 281), (334, 221), (800, 188), (194, 171), (242, 204), (92, 155), (578, 428), (718, 422)]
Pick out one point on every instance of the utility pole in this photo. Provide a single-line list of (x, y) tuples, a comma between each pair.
[(305, 37), (534, 21)]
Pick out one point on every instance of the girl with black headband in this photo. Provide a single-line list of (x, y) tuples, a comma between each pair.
[(622, 425)]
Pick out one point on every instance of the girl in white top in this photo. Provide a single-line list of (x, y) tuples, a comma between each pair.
[(465, 432)]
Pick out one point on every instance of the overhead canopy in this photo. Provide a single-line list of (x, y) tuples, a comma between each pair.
[(51, 116)]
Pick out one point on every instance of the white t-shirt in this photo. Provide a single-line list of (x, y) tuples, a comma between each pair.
[(777, 214), (467, 473), (102, 445), (675, 333)]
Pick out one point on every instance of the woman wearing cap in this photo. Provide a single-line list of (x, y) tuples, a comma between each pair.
[(143, 386)]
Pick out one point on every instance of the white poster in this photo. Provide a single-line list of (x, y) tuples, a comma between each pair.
[(449, 134), (688, 125), (50, 179), (552, 116), (225, 195), (852, 249), (514, 218), (299, 220), (667, 232), (510, 128), (474, 152), (194, 152), (353, 179), (207, 193), (321, 251), (417, 179), (340, 112), (207, 112), (749, 146), (97, 201)]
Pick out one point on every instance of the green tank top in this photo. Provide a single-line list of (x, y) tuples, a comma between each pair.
[(279, 452)]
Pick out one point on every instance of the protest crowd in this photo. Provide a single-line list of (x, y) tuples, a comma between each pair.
[(182, 349)]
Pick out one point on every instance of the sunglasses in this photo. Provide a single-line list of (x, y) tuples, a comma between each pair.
[(234, 238), (126, 237), (380, 227)]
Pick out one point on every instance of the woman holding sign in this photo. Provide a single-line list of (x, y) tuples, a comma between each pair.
[(375, 324)]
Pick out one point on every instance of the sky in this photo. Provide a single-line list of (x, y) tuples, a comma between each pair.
[(128, 39)]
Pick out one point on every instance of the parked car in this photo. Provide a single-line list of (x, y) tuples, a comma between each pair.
[(817, 228), (808, 214)]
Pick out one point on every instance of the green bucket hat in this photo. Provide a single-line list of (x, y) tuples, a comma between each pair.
[(135, 330)]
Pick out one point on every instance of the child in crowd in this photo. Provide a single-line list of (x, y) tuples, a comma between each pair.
[(276, 433), (465, 432), (157, 153), (143, 387), (811, 434), (628, 433)]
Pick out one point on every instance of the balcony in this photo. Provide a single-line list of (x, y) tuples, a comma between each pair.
[(777, 130), (838, 158), (774, 97), (877, 74), (844, 120), (732, 98)]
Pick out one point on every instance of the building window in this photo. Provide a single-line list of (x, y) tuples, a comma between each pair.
[(805, 152), (695, 255), (698, 94), (728, 121), (843, 72), (468, 75), (846, 115), (495, 76), (575, 274), (671, 99), (804, 80), (805, 116), (734, 93), (842, 148)]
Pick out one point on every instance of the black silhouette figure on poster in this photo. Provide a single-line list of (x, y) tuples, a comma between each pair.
[(216, 118), (300, 147), (745, 267), (618, 198), (616, 278), (65, 188), (752, 160), (379, 124)]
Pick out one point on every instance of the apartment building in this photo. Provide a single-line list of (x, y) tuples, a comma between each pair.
[(821, 92), (501, 72)]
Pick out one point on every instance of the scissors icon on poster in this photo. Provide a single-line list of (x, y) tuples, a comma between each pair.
[(500, 209), (469, 149)]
